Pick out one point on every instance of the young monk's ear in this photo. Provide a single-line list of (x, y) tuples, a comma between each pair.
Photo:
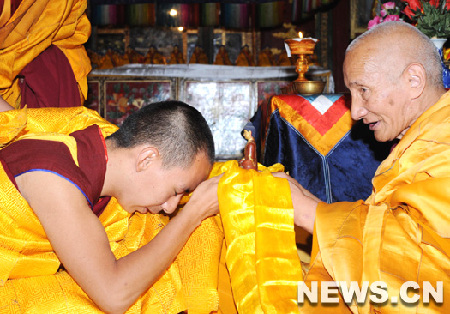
[(146, 156), (416, 76)]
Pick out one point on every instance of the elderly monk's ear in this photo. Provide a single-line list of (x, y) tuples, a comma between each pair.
[(146, 155), (416, 76)]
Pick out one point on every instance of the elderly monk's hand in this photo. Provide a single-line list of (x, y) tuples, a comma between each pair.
[(304, 202)]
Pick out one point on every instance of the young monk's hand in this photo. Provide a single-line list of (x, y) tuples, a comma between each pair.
[(204, 199)]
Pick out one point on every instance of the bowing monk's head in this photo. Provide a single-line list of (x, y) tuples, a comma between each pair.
[(159, 153), (394, 74)]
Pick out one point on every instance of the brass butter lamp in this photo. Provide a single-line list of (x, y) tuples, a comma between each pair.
[(301, 47)]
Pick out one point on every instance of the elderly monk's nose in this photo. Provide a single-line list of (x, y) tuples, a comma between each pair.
[(357, 109)]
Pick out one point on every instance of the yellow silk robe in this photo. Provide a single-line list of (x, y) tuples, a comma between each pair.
[(34, 26), (29, 276), (401, 232)]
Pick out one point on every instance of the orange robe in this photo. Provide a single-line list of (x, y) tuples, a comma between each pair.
[(222, 58), (401, 232), (176, 58), (154, 57), (199, 57), (245, 59), (284, 60), (265, 59), (34, 26)]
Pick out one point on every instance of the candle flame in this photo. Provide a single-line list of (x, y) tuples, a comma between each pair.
[(300, 34)]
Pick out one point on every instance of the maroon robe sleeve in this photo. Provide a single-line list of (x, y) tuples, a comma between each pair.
[(41, 155), (49, 81)]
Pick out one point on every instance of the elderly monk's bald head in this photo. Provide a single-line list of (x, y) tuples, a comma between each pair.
[(396, 44), (394, 75)]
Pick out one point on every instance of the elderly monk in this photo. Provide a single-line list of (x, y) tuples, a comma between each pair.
[(401, 232), (81, 229), (43, 60)]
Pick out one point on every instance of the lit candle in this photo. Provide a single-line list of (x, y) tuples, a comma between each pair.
[(300, 45)]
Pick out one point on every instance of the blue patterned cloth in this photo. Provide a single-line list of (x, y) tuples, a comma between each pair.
[(343, 173)]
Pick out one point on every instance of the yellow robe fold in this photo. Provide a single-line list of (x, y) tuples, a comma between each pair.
[(29, 278), (401, 232), (258, 219), (34, 26)]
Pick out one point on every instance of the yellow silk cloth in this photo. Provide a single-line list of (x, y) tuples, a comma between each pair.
[(401, 232), (258, 220), (34, 26), (29, 276), (43, 121)]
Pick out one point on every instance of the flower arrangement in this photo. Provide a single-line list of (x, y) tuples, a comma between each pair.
[(431, 17), (389, 12)]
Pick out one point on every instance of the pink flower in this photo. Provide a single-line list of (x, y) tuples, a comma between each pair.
[(392, 18), (383, 12), (376, 20), (388, 5)]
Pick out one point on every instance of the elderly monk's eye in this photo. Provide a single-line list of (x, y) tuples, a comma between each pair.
[(364, 93)]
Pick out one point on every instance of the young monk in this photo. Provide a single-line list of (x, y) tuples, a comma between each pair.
[(56, 186)]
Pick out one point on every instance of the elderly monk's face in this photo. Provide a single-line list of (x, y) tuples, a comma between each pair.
[(379, 95)]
